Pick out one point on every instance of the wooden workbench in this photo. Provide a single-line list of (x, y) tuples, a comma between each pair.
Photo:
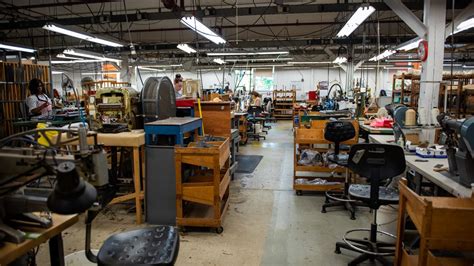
[(10, 251), (136, 140)]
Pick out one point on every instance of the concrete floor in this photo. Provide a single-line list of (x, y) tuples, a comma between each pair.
[(267, 224)]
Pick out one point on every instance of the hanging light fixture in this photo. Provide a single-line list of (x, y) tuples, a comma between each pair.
[(410, 45), (340, 60), (186, 48), (357, 18), (201, 29), (80, 35), (14, 47), (87, 54), (219, 61), (467, 24), (383, 55)]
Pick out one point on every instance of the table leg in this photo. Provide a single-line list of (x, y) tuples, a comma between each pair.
[(56, 250), (136, 183), (180, 139)]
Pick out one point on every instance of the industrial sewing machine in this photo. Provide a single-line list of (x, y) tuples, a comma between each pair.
[(76, 175), (458, 135)]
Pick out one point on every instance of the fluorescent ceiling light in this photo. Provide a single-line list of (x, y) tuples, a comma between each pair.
[(80, 35), (359, 16), (219, 61), (77, 61), (87, 54), (68, 57), (310, 63), (260, 59), (398, 67), (410, 45), (186, 48), (365, 68), (402, 60), (259, 65), (467, 24), (13, 47), (201, 29), (466, 66), (56, 72), (340, 60), (383, 55), (150, 69), (163, 66), (248, 53), (454, 65)]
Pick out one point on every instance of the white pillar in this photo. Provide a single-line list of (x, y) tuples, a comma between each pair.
[(432, 71)]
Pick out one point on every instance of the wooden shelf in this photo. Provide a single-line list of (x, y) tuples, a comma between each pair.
[(208, 187), (309, 137), (283, 100)]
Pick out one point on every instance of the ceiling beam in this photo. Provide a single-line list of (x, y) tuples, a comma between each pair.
[(462, 16), (222, 12), (407, 15)]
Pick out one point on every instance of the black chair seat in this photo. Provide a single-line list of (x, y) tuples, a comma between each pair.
[(148, 246), (362, 192), (340, 159)]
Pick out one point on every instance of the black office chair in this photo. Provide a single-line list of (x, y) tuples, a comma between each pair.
[(253, 118), (377, 162), (337, 132)]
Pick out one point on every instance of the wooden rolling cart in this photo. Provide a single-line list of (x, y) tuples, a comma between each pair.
[(313, 138), (202, 197), (283, 101), (443, 224)]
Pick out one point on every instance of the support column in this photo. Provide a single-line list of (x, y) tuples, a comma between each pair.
[(432, 72)]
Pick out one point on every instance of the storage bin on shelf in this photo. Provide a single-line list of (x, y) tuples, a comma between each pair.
[(313, 139), (202, 193)]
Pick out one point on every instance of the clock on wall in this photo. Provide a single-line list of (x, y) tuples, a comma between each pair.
[(423, 50)]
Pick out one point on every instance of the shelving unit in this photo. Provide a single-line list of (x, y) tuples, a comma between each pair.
[(283, 101), (202, 196), (460, 101), (14, 80), (406, 89), (313, 138), (431, 215)]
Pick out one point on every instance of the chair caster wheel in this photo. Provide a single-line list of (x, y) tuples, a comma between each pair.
[(337, 251), (219, 230), (323, 210), (299, 192), (353, 217)]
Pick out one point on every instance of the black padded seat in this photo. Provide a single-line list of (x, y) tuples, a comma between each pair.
[(362, 192), (148, 246)]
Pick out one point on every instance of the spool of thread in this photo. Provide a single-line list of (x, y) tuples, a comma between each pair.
[(434, 116), (410, 117), (422, 116)]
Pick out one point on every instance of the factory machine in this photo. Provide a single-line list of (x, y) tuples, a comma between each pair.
[(26, 184), (458, 135), (116, 109)]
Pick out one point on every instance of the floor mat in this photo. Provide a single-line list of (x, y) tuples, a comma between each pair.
[(247, 163)]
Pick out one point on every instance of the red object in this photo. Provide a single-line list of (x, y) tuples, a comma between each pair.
[(381, 122), (312, 95), (185, 102), (423, 50)]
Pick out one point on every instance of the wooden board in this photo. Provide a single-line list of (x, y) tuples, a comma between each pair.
[(216, 117), (10, 251)]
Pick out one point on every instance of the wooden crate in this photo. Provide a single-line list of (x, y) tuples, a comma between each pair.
[(202, 198)]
